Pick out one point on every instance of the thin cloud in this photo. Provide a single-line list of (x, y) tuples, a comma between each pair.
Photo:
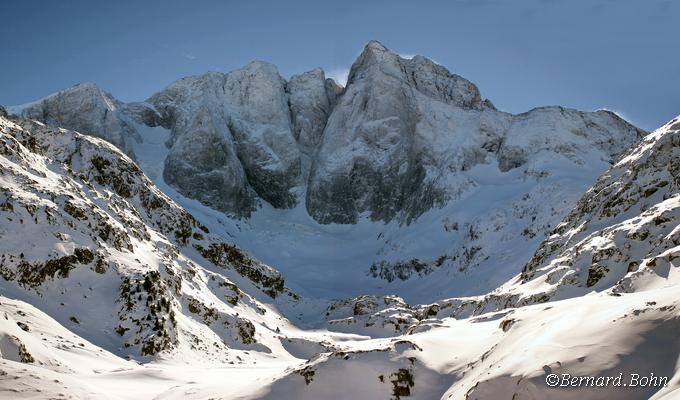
[(177, 52), (409, 56), (620, 114)]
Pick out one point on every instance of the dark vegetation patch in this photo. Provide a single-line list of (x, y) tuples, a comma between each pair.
[(226, 255)]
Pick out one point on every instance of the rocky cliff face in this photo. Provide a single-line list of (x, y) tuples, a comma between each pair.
[(405, 131), (311, 98), (235, 137)]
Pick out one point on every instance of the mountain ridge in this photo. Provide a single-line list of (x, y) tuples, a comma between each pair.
[(396, 156), (235, 143)]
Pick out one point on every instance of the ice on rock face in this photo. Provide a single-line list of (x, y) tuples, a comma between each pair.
[(250, 135), (261, 127), (370, 158), (142, 113), (244, 136)]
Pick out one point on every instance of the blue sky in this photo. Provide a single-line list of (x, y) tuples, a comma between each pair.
[(622, 55)]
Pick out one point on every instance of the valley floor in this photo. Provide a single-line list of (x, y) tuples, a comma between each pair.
[(495, 355)]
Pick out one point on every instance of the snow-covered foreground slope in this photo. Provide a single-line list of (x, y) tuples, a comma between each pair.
[(41, 359), (493, 356), (88, 239), (509, 354), (598, 299)]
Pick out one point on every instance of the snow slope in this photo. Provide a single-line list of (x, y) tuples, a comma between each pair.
[(87, 238)]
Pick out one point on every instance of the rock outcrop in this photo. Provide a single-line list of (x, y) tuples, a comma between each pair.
[(232, 139), (87, 109), (311, 99), (393, 144)]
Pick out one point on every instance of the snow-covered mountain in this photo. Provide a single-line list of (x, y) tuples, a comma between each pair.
[(405, 180), (422, 243)]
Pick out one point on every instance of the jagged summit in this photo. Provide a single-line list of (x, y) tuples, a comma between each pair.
[(260, 138), (377, 62), (375, 45), (374, 53), (391, 126)]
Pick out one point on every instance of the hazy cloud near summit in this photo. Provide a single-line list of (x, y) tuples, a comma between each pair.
[(339, 75)]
